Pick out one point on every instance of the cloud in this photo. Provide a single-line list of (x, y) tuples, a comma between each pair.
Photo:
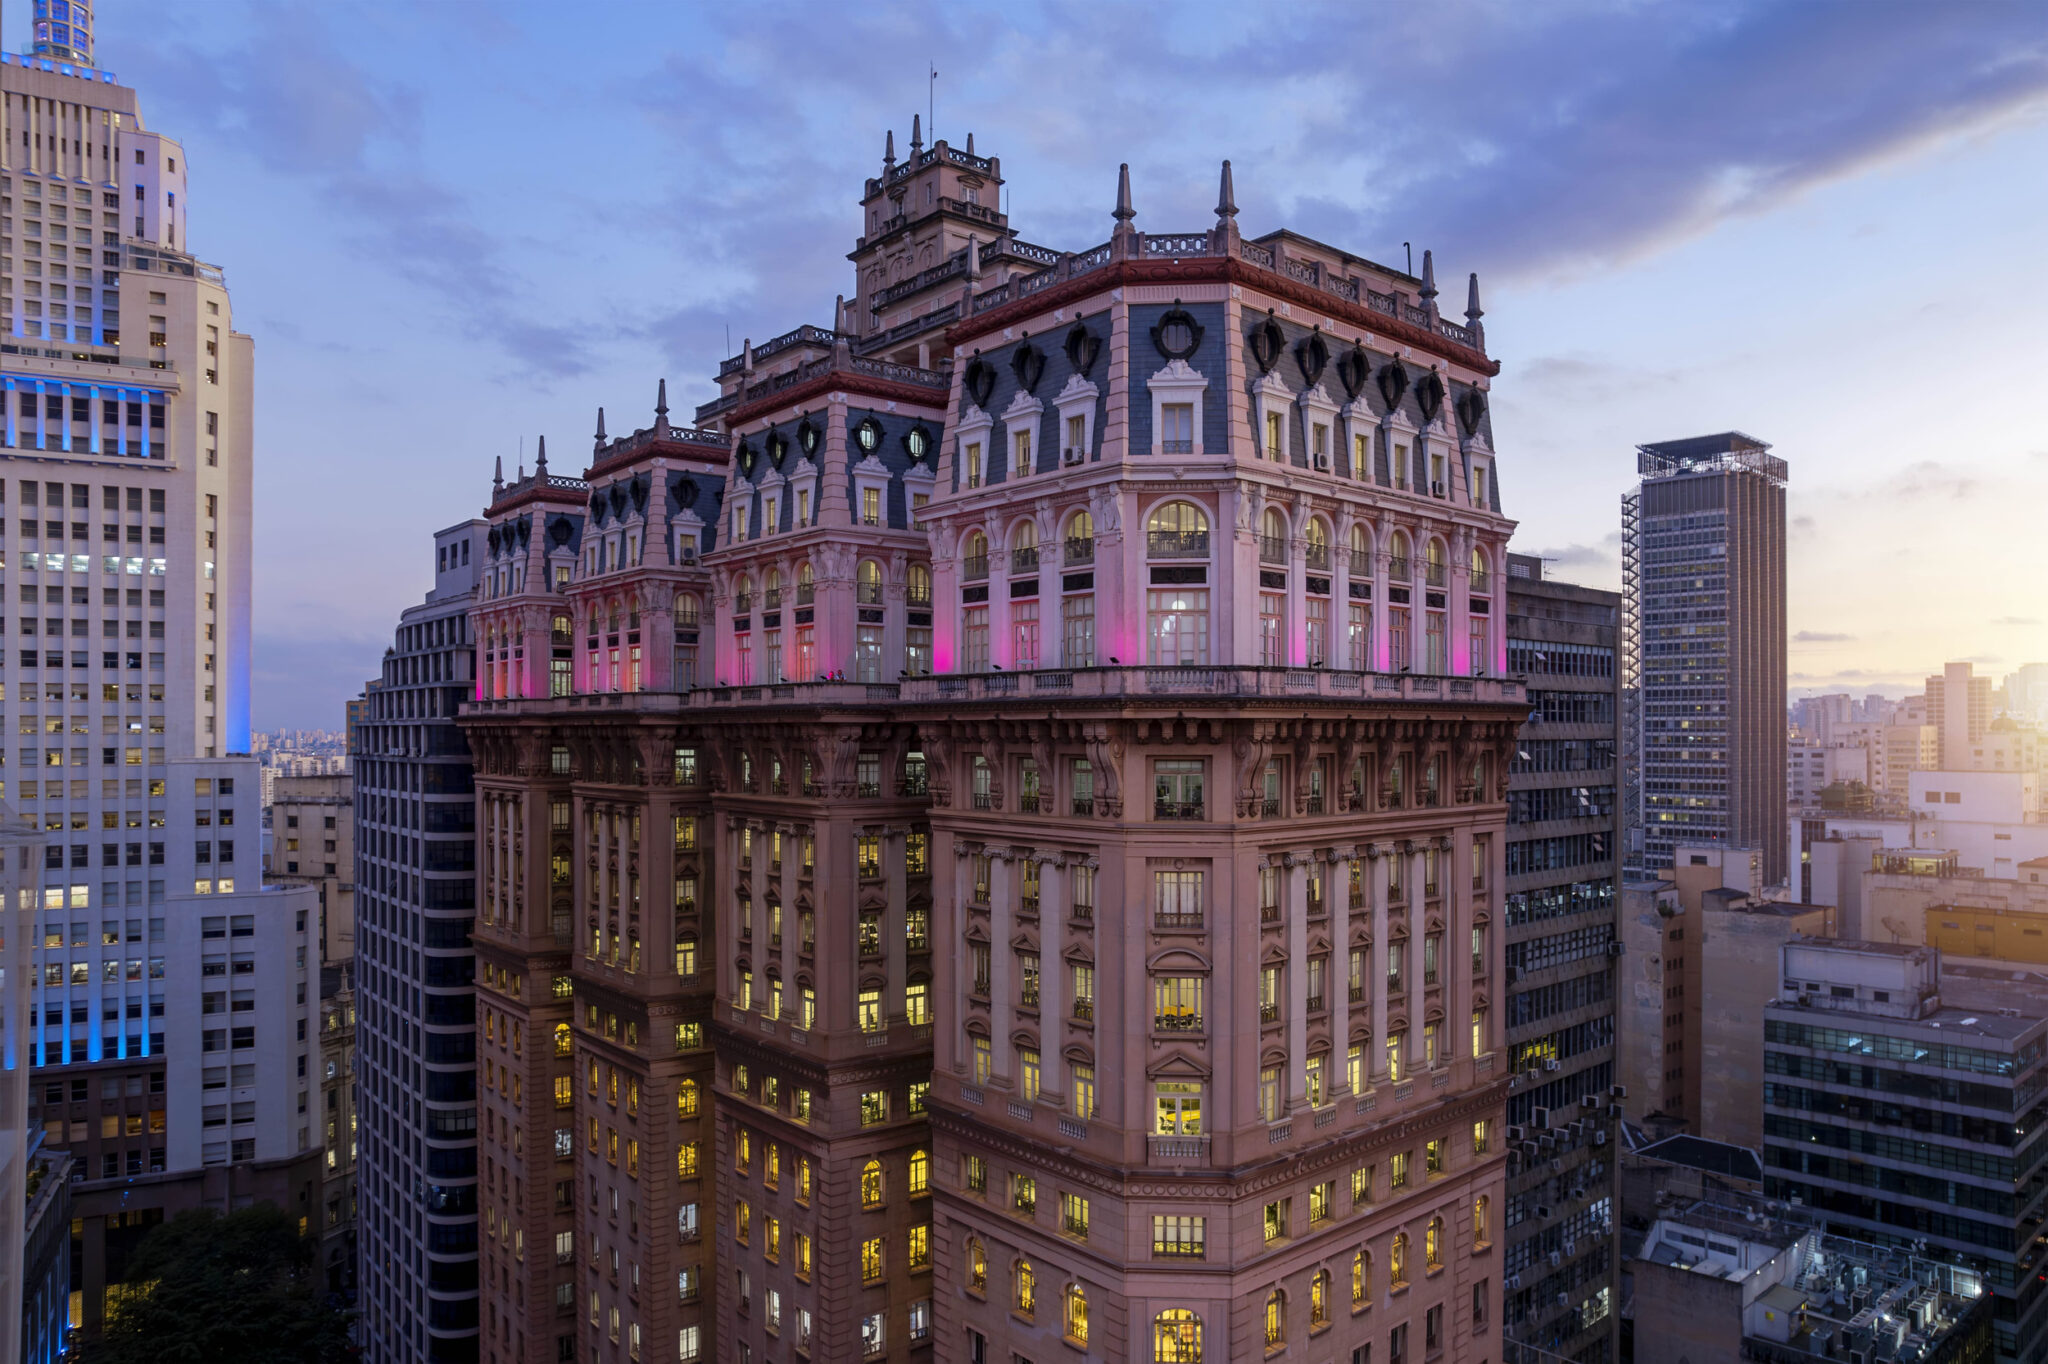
[(1820, 637), (306, 680), (2016, 620)]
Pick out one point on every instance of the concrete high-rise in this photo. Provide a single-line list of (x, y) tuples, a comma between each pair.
[(1959, 708), (1704, 629), (1562, 896), (1000, 830), (171, 1042), (416, 1185)]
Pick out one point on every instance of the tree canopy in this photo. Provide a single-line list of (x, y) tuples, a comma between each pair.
[(205, 1287)]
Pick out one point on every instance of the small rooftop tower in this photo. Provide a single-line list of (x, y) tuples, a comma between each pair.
[(63, 31)]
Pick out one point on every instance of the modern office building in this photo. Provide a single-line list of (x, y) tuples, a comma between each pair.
[(45, 1248), (1562, 898), (1703, 566), (313, 842), (21, 860), (993, 843), (416, 1193), (1903, 1103), (340, 1140)]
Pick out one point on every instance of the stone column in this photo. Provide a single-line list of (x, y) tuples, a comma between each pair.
[(1337, 895), (1294, 904), (1457, 962), (1417, 918), (1294, 639), (1376, 968), (1380, 650), (894, 915), (792, 919), (1001, 989), (1052, 1026), (1458, 612)]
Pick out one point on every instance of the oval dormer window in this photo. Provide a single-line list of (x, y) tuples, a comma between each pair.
[(917, 442), (1177, 334), (869, 435)]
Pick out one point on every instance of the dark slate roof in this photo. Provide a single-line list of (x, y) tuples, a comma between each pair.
[(1700, 447), (1714, 1157)]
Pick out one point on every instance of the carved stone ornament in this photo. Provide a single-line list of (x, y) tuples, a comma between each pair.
[(1471, 410)]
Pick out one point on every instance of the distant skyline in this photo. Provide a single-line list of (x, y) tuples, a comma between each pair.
[(453, 228)]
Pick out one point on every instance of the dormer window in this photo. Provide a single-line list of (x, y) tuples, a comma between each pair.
[(1275, 451), (1020, 452), (974, 464), (868, 435)]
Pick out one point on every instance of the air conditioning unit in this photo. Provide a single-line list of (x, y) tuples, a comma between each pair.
[(1436, 490), (1511, 1282), (1564, 1300), (1323, 463), (1556, 1258), (1571, 1248), (1517, 1132), (1600, 1138), (1071, 455), (1550, 1063), (1617, 1091), (1615, 949)]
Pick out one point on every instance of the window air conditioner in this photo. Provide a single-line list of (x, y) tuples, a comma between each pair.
[(1550, 1063), (1323, 463), (1072, 455), (1436, 490)]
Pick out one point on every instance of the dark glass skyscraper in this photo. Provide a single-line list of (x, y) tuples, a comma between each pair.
[(1704, 571), (1562, 1263), (416, 1016)]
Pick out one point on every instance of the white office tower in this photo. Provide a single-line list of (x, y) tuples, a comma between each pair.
[(124, 565)]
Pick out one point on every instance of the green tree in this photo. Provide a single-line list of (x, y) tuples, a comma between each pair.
[(204, 1288)]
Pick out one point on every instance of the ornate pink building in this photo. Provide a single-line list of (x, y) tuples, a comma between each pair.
[(991, 844)]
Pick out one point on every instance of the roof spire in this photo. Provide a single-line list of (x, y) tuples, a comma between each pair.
[(498, 476), (970, 144), (540, 462), (1124, 212), (1226, 196), (889, 151), (1472, 309), (916, 133), (1428, 277), (600, 427), (661, 402)]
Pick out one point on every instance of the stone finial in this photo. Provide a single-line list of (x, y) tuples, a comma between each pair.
[(970, 144), (1472, 310), (498, 476), (889, 149), (1226, 196), (839, 313), (1428, 277), (974, 258), (540, 460), (1124, 212), (916, 134), (661, 402), (747, 356), (600, 427)]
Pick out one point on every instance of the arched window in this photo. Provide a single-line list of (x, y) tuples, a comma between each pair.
[(771, 589), (1482, 1211), (977, 1266), (1361, 1278), (686, 1099), (1177, 530), (1397, 551), (1361, 550), (806, 583), (871, 1184), (742, 594), (869, 580), (1433, 1245), (921, 1172), (976, 544), (1316, 542), (1319, 1299), (1433, 561), (1397, 1261), (1081, 538), (562, 633), (1025, 540), (1276, 1318), (1176, 1337), (1075, 1314), (1272, 537), (920, 585), (1026, 1282)]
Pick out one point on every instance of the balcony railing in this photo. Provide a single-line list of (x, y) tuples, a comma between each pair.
[(1482, 581), (1317, 554), (1269, 1013), (1084, 1010), (1177, 544), (1177, 1020), (1172, 919), (1178, 1148), (1024, 559), (1400, 569), (974, 568), (1123, 681), (1176, 809), (1272, 549), (1080, 551), (1433, 572)]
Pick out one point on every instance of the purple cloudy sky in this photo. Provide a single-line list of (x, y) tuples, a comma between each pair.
[(454, 226)]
